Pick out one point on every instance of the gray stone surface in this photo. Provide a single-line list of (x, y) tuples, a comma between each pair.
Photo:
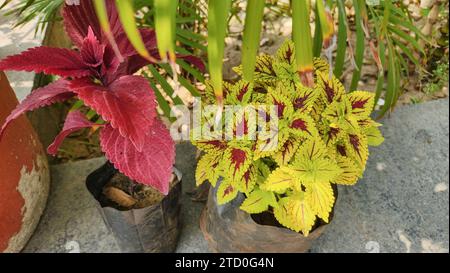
[(71, 222), (401, 204)]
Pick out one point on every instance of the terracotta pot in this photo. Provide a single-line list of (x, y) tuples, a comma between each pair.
[(152, 229), (228, 229), (24, 176)]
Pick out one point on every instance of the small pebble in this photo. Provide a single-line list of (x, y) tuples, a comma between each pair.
[(440, 187), (381, 166)]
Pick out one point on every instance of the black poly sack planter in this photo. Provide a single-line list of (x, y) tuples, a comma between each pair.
[(152, 229)]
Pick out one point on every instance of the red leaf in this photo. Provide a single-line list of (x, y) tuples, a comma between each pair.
[(54, 92), (78, 18), (152, 166), (195, 61), (128, 103), (75, 121), (57, 61), (92, 51), (127, 49)]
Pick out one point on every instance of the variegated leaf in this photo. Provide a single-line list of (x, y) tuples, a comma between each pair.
[(286, 53), (287, 151), (302, 125), (226, 192), (321, 65), (279, 180), (312, 149), (208, 169), (281, 212), (331, 89), (302, 216), (278, 98), (339, 114), (236, 161), (248, 181), (350, 171), (374, 136), (321, 198), (304, 98), (314, 171), (241, 93), (357, 146), (259, 201), (362, 103)]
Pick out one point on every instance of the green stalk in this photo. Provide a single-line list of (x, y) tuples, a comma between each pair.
[(126, 15), (301, 35), (318, 40), (326, 23), (218, 11), (251, 39), (102, 14), (360, 40), (341, 40), (165, 27)]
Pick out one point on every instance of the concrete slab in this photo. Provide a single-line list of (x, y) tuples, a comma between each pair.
[(14, 41), (401, 204)]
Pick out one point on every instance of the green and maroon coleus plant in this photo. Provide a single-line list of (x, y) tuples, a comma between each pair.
[(132, 137)]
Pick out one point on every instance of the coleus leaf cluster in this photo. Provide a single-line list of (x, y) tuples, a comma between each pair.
[(132, 136), (322, 138)]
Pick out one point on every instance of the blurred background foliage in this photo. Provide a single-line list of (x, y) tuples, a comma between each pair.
[(393, 48)]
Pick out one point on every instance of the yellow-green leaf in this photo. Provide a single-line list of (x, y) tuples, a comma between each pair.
[(357, 145), (339, 114), (226, 192), (236, 161), (302, 125), (207, 169), (302, 216), (279, 180), (374, 136), (361, 103), (330, 89), (304, 98), (286, 52), (287, 151), (281, 212), (270, 142), (322, 65), (317, 170), (350, 171), (258, 201), (248, 181), (278, 98), (312, 149), (321, 198)]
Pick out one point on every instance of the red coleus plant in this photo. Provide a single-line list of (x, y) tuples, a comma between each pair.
[(132, 136)]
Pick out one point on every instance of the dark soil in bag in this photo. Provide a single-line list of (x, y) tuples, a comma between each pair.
[(141, 218)]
